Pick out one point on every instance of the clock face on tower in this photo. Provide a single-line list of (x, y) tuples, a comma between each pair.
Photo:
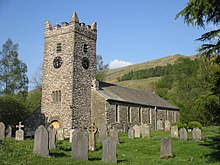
[(85, 63), (57, 62)]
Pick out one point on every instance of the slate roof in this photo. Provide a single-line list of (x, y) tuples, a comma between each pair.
[(123, 94)]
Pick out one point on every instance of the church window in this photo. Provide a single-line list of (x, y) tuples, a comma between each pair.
[(129, 114), (59, 48), (149, 115), (59, 96), (56, 96), (85, 48), (53, 97), (140, 115), (116, 114)]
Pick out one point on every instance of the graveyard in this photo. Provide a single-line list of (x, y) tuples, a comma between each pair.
[(129, 151)]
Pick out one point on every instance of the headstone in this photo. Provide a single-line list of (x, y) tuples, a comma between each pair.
[(109, 146), (165, 148), (60, 134), (167, 125), (174, 131), (145, 131), (102, 129), (137, 133), (41, 142), (131, 133), (19, 134), (80, 147), (160, 125), (196, 134), (126, 127), (92, 137), (71, 134), (2, 131), (52, 137), (183, 134), (113, 133), (8, 132)]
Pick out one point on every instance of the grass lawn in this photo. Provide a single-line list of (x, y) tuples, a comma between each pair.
[(138, 151)]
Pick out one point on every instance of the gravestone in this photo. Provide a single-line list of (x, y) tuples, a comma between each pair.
[(113, 133), (145, 131), (71, 134), (167, 125), (102, 129), (60, 134), (8, 132), (80, 147), (137, 133), (52, 137), (174, 131), (183, 134), (196, 134), (131, 133), (126, 127), (2, 131), (165, 148), (41, 141), (92, 137), (109, 147), (19, 134), (160, 125)]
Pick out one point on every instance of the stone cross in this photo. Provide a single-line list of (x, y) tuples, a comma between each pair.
[(8, 132), (41, 141), (52, 137), (131, 133), (174, 131), (109, 147), (19, 134), (183, 134), (196, 134), (92, 137), (165, 148), (167, 125), (80, 146), (137, 133), (2, 131)]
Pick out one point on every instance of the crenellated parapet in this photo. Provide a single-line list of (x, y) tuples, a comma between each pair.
[(73, 25)]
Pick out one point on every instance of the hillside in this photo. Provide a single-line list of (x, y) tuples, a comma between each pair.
[(113, 74)]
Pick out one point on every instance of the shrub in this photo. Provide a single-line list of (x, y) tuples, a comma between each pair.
[(194, 124), (180, 125)]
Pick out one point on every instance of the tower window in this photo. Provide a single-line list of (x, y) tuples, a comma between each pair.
[(56, 96), (85, 48), (59, 48)]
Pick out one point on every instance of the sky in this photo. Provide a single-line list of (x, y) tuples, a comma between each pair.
[(129, 31)]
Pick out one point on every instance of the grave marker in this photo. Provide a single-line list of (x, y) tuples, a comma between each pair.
[(137, 133), (131, 133), (19, 134), (52, 137), (165, 148), (174, 131), (92, 137), (2, 131), (183, 134), (8, 132), (109, 150), (167, 125), (196, 134)]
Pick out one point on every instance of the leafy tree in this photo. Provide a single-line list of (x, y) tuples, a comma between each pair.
[(13, 78), (201, 13), (100, 68)]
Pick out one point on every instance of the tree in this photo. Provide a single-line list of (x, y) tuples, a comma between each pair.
[(200, 13), (13, 77), (36, 79), (100, 68)]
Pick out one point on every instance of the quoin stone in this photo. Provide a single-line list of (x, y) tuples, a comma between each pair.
[(19, 134), (131, 133), (52, 137), (2, 131), (80, 147), (92, 137), (137, 132), (167, 125), (183, 134), (41, 141), (165, 148), (174, 131), (109, 150), (196, 134)]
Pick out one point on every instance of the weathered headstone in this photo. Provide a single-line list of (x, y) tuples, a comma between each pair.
[(183, 134), (8, 132), (71, 134), (60, 134), (109, 147), (52, 137), (102, 129), (92, 137), (126, 127), (113, 133), (131, 133), (160, 125), (137, 133), (167, 125), (174, 131), (165, 148), (80, 147), (2, 131), (196, 134), (19, 134), (145, 131), (41, 141)]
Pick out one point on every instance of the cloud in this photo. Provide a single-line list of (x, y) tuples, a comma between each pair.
[(118, 64)]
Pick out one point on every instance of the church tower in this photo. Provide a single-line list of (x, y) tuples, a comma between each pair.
[(68, 72)]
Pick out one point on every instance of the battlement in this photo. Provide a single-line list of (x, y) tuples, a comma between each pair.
[(73, 22)]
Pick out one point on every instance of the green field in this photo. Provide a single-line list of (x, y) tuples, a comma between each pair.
[(138, 151)]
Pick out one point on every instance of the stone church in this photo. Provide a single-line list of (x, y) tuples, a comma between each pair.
[(71, 96)]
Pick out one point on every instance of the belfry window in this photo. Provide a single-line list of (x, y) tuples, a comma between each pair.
[(56, 96), (85, 48), (59, 47)]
